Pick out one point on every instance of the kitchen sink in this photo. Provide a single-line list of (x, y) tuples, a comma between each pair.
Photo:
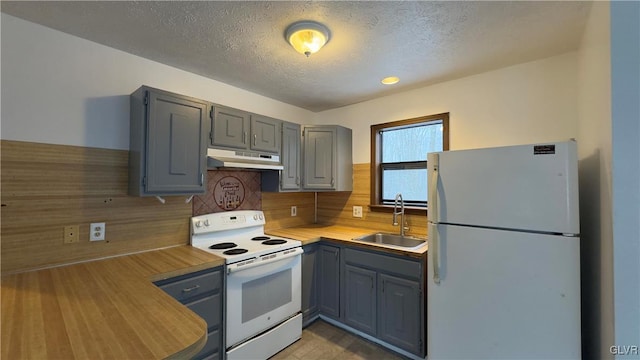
[(392, 239)]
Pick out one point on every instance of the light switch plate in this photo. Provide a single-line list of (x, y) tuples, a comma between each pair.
[(71, 234), (357, 211), (294, 211)]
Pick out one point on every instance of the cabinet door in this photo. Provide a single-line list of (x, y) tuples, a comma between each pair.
[(290, 176), (329, 281), (400, 313), (176, 147), (360, 298), (230, 128), (309, 282), (319, 158), (265, 134)]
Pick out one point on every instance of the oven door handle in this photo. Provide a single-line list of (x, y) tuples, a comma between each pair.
[(261, 261)]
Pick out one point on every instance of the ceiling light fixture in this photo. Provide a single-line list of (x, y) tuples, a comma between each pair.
[(390, 80), (307, 37)]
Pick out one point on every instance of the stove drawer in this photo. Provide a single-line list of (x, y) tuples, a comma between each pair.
[(184, 288)]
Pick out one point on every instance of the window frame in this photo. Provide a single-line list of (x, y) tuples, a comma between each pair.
[(376, 203)]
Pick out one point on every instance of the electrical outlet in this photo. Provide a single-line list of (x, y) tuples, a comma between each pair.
[(97, 231), (357, 211), (71, 234), (294, 211)]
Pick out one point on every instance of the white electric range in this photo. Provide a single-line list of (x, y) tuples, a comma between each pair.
[(263, 282)]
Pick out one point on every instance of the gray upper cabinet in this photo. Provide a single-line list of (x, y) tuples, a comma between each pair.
[(265, 134), (230, 128), (291, 154), (167, 143), (288, 179), (328, 162), (240, 130)]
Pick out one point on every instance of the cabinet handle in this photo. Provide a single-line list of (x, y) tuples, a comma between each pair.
[(244, 137), (333, 182), (201, 179), (254, 139), (297, 180), (194, 287)]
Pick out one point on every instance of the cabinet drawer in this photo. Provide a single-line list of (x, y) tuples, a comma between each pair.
[(211, 349), (192, 286), (209, 309), (383, 262)]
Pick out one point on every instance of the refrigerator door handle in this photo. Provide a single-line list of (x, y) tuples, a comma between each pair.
[(433, 163), (434, 248)]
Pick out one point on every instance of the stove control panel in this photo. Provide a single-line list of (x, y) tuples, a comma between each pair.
[(226, 221)]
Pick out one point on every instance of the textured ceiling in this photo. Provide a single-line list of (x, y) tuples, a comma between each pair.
[(242, 43)]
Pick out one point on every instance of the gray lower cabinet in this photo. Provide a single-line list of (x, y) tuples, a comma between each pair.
[(309, 304), (383, 297), (329, 280), (360, 298), (167, 144), (399, 310), (202, 293)]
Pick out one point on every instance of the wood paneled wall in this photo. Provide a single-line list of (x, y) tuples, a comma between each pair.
[(336, 208), (46, 187), (277, 209)]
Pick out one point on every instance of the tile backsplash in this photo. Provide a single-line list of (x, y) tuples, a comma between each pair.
[(229, 190)]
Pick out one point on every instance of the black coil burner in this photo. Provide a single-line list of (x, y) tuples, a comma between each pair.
[(235, 251), (274, 242), (260, 238), (222, 246)]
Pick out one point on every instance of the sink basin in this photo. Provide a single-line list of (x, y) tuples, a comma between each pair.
[(392, 239)]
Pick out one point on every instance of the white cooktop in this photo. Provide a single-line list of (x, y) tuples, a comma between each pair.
[(235, 231)]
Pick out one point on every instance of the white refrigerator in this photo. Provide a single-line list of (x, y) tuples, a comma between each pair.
[(504, 253)]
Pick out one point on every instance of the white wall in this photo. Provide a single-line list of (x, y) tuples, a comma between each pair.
[(62, 89), (625, 106), (526, 103), (594, 152)]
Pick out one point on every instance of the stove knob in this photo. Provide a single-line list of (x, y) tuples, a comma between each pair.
[(206, 222), (255, 217), (261, 217), (198, 223)]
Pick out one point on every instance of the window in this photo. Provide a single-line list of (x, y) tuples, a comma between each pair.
[(399, 159)]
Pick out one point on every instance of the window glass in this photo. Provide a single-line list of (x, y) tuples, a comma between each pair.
[(399, 158), (411, 144), (412, 183)]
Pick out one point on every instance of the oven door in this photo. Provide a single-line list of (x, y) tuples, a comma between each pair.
[(261, 297)]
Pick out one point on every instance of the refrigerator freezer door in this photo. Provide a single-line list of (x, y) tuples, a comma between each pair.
[(525, 187), (504, 295)]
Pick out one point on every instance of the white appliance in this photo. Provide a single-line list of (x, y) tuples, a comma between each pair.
[(504, 253), (263, 282)]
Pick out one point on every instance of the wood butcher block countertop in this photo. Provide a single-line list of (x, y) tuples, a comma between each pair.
[(103, 309), (344, 234)]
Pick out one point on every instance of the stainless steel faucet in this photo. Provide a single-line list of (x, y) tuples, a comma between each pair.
[(403, 228)]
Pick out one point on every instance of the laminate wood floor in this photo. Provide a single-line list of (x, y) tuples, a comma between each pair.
[(323, 341)]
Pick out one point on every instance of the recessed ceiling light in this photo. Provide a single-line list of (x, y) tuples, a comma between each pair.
[(390, 80)]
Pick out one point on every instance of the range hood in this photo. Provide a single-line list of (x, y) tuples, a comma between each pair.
[(217, 158)]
